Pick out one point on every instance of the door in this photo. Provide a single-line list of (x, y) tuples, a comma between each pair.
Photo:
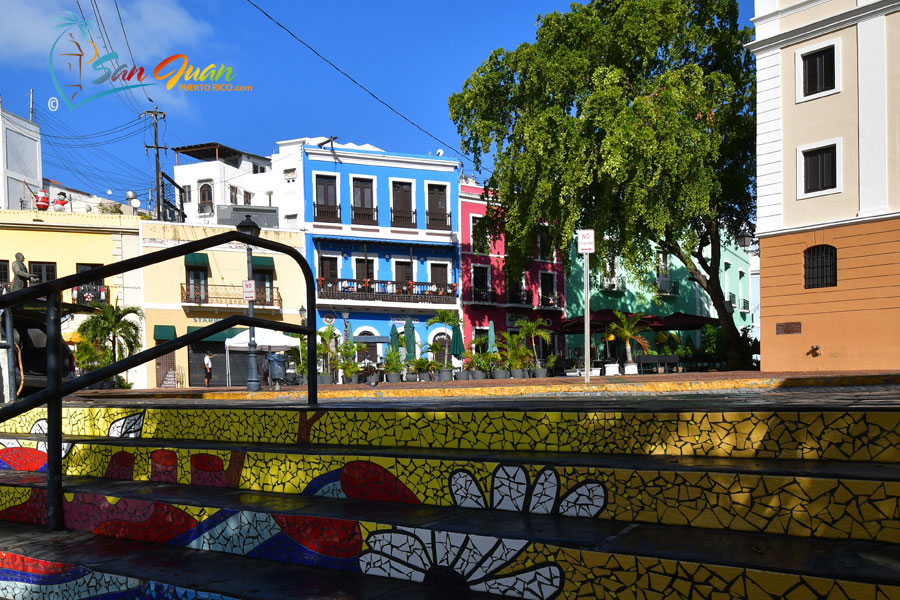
[(548, 289), (402, 213), (403, 275), (437, 207), (197, 285), (263, 281), (328, 269), (165, 371), (365, 269)]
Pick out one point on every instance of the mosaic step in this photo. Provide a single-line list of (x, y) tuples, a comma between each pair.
[(39, 565), (839, 500), (871, 435), (459, 549)]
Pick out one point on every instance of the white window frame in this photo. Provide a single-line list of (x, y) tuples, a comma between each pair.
[(331, 254), (374, 181), (798, 69), (555, 281), (449, 264), (374, 260), (337, 186), (838, 176), (472, 217), (449, 201), (396, 259), (412, 191), (472, 268)]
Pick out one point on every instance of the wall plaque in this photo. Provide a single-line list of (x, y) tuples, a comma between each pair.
[(787, 328)]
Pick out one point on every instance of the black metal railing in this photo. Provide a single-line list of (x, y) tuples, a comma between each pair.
[(229, 295), (403, 218), (326, 213), (666, 286), (387, 291), (483, 295), (87, 293), (518, 297), (363, 216), (551, 300), (437, 220), (52, 395)]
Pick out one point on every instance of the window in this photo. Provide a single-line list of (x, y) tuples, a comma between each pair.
[(363, 202), (258, 168), (264, 286), (444, 340), (186, 194), (326, 206), (820, 267), (247, 197), (233, 192), (328, 268), (403, 272), (370, 352), (402, 213), (196, 288), (439, 274), (819, 169), (365, 268), (481, 243), (437, 216), (82, 267), (480, 334), (548, 289), (662, 265), (206, 199), (481, 283), (818, 71), (516, 293), (46, 271), (290, 175), (4, 271), (545, 248)]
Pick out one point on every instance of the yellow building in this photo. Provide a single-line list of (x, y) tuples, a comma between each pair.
[(202, 288), (828, 189)]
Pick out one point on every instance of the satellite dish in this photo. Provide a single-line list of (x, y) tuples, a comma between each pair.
[(109, 192), (439, 152)]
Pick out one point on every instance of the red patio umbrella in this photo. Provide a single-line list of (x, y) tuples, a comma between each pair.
[(681, 322)]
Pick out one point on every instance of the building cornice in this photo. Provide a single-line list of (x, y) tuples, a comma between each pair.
[(54, 228), (830, 224), (380, 160), (822, 27)]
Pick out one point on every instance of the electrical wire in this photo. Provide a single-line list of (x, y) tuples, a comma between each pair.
[(127, 44), (128, 99)]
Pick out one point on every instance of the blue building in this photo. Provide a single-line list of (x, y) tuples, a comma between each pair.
[(382, 235)]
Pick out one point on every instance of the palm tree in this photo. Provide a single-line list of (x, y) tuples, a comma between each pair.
[(449, 319), (532, 330), (627, 329), (327, 347), (110, 328)]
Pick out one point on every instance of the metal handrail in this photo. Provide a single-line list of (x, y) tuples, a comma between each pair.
[(53, 393)]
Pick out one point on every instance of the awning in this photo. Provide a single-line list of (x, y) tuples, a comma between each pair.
[(221, 336), (196, 259), (163, 333), (263, 263)]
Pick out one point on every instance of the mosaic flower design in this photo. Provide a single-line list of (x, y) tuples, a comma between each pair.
[(456, 562), (127, 427), (510, 490)]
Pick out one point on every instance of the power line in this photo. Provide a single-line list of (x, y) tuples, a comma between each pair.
[(359, 85), (132, 103), (127, 44)]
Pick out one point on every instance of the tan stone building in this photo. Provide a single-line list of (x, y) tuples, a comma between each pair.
[(828, 183)]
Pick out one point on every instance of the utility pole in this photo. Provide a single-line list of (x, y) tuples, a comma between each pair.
[(31, 105), (156, 114)]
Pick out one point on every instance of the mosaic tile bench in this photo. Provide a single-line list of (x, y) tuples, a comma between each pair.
[(521, 504)]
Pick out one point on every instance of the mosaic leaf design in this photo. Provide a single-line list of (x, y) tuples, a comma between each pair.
[(546, 489), (510, 488), (127, 427), (587, 499), (40, 426), (457, 562), (465, 491)]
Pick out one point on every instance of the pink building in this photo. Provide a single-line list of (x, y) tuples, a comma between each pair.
[(487, 296)]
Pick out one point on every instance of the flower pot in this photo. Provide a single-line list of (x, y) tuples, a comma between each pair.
[(375, 378), (462, 375), (541, 372), (393, 377), (412, 376), (351, 378), (476, 374), (445, 375), (500, 374), (325, 379), (518, 373), (631, 368)]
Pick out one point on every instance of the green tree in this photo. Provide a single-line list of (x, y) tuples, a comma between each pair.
[(111, 329), (627, 329), (634, 119), (449, 319), (531, 330)]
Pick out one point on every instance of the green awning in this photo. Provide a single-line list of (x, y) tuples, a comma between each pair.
[(222, 335), (197, 259), (163, 333), (263, 263)]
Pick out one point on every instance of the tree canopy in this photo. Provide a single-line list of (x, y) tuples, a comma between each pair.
[(630, 117)]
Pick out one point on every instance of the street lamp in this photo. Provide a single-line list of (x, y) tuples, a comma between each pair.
[(744, 239), (248, 227)]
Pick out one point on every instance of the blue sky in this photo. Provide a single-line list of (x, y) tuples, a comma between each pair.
[(412, 54)]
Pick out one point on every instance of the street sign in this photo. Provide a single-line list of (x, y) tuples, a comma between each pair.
[(585, 241), (249, 290)]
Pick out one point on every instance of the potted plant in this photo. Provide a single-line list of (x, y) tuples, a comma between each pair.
[(550, 363), (510, 358), (393, 366), (468, 365), (438, 369), (325, 351), (370, 372), (412, 374), (531, 330), (347, 352), (423, 367), (627, 329), (449, 319)]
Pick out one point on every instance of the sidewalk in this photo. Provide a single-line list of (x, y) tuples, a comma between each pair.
[(659, 383)]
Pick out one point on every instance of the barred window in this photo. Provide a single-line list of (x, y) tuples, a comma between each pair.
[(820, 266)]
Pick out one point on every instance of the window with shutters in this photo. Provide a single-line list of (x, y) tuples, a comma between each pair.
[(820, 266), (326, 207), (819, 169), (403, 212), (818, 70)]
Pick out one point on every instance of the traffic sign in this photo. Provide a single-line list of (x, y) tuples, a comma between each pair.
[(249, 290), (585, 241)]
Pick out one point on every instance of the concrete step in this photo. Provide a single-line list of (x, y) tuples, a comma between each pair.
[(516, 554), (39, 565), (855, 435)]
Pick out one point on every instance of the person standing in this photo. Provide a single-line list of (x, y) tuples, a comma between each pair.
[(207, 367), (21, 276)]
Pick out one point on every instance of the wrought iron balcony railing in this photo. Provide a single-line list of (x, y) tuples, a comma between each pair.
[(551, 300), (228, 295), (666, 286), (363, 216), (85, 294), (614, 284), (437, 220), (518, 297), (482, 295), (387, 291), (326, 213), (403, 218)]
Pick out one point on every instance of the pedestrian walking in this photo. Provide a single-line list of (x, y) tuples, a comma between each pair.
[(207, 367)]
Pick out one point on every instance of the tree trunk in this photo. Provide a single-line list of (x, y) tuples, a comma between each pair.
[(628, 357), (734, 354)]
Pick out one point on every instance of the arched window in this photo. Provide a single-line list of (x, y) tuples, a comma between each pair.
[(820, 266), (370, 352), (206, 202)]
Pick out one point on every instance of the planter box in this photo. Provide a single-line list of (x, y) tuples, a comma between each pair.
[(463, 375), (325, 379), (412, 376), (392, 377), (519, 373), (500, 374), (541, 373), (445, 375), (476, 374), (351, 378), (373, 378)]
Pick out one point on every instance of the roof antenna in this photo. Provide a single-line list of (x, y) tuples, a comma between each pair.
[(329, 140)]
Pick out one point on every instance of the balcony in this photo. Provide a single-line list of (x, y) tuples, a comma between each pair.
[(518, 297), (228, 295), (439, 221), (614, 284), (551, 300), (85, 294), (386, 291), (745, 305), (482, 296), (363, 216), (666, 286), (403, 218), (326, 213)]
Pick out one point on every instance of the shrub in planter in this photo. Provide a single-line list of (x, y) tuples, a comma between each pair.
[(392, 366), (370, 373)]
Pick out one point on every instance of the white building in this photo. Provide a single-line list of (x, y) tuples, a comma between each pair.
[(20, 168)]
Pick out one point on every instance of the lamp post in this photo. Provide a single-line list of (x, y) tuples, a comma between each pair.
[(248, 227), (744, 239)]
